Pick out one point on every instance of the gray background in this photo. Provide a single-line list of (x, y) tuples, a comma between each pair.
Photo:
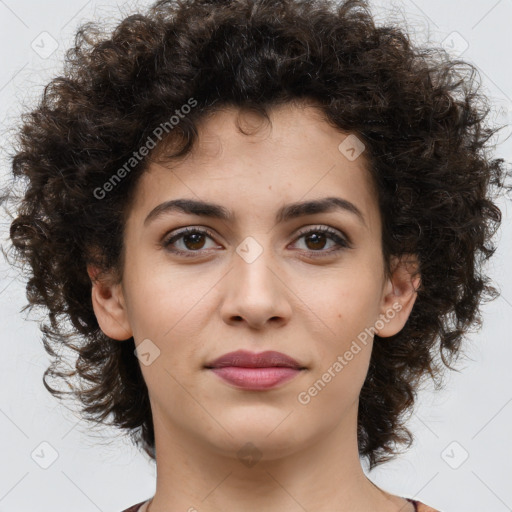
[(100, 470)]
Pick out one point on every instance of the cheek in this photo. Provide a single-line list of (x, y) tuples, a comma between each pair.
[(343, 359), (335, 391), (348, 308), (165, 301), (346, 302)]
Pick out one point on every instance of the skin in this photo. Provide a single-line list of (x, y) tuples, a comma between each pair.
[(196, 309)]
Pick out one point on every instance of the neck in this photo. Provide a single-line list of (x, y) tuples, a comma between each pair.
[(324, 474)]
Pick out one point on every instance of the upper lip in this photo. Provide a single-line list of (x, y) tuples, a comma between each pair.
[(248, 359)]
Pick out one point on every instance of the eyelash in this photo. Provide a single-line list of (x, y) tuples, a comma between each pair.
[(343, 243)]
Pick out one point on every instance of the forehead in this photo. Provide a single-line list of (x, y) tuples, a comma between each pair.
[(247, 163)]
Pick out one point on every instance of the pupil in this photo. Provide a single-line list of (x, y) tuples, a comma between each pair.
[(319, 238), (193, 242)]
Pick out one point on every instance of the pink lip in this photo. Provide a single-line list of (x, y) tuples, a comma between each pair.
[(252, 371)]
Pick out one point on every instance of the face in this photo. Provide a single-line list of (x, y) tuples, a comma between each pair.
[(256, 281)]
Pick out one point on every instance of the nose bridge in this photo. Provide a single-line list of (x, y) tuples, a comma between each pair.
[(254, 266), (255, 292)]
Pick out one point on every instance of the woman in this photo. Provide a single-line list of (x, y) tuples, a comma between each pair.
[(263, 220)]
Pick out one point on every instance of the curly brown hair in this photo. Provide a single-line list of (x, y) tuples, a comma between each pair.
[(416, 110)]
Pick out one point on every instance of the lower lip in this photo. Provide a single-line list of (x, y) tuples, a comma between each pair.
[(256, 378)]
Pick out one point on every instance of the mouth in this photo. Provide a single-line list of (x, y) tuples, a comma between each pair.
[(257, 372)]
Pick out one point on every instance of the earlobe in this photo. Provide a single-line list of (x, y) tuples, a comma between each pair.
[(109, 306), (399, 295)]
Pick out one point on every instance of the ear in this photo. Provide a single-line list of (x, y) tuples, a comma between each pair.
[(399, 295), (109, 305)]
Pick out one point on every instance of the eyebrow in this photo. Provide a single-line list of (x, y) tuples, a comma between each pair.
[(285, 213)]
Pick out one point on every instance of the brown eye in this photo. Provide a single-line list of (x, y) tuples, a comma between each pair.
[(316, 239), (193, 240)]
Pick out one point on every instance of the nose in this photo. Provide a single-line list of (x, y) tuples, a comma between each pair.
[(255, 290)]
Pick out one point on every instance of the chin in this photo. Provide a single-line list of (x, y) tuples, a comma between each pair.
[(269, 440)]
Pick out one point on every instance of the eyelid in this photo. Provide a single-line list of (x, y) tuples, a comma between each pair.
[(324, 228), (179, 232), (333, 233)]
